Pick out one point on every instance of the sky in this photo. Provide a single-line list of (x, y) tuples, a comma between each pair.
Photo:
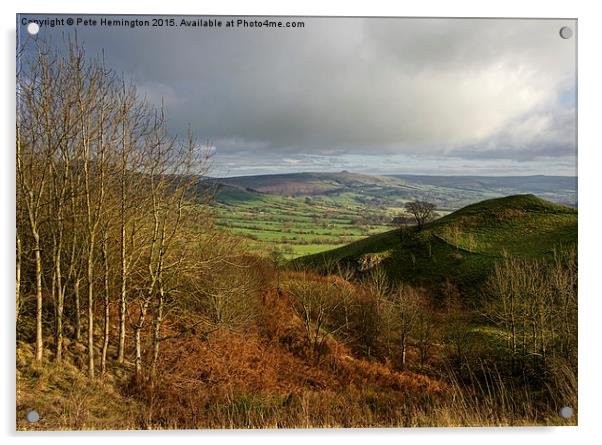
[(371, 95)]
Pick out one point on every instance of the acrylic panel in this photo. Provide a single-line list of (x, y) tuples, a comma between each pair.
[(295, 222)]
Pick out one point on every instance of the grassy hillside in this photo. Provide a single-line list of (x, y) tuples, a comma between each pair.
[(463, 246)]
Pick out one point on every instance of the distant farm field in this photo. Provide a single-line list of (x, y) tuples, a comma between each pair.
[(299, 225)]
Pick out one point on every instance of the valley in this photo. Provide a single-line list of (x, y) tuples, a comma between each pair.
[(301, 214)]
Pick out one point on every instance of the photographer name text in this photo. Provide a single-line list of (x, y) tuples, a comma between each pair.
[(167, 22)]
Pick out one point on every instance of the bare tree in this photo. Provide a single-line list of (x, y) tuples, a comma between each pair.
[(407, 305), (166, 172), (189, 163), (422, 211), (425, 333), (35, 148), (316, 304), (107, 302), (134, 126), (94, 106)]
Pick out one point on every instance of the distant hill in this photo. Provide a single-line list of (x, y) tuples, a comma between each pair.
[(312, 183), (447, 192), (558, 189), (462, 246)]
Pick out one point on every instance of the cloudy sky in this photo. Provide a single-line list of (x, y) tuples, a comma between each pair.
[(387, 95)]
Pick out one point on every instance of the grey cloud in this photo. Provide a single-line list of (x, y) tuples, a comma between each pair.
[(546, 133), (467, 88)]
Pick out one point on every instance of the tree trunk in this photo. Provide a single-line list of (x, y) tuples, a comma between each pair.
[(18, 277), (105, 343), (138, 353), (39, 349), (138, 339), (78, 323), (156, 334), (122, 297), (60, 303), (91, 308), (60, 296), (403, 354)]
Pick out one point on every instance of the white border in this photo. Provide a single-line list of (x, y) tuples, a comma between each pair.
[(590, 308)]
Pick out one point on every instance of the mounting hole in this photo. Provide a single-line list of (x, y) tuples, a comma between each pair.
[(566, 32), (566, 412), (33, 28), (32, 416)]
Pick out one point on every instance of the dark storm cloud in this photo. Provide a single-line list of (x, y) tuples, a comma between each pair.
[(469, 88)]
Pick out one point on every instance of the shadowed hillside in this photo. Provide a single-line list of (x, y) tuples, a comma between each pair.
[(462, 246)]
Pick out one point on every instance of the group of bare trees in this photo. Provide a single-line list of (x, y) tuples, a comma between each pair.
[(318, 305), (404, 316), (102, 195), (377, 317), (535, 303), (531, 305)]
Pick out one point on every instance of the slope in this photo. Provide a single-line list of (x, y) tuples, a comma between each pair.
[(463, 246)]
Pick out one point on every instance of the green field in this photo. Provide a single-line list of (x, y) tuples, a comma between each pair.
[(299, 225)]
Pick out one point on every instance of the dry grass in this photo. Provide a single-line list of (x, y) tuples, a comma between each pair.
[(269, 376), (66, 399), (274, 378)]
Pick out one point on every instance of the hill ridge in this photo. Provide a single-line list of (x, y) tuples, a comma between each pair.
[(463, 246)]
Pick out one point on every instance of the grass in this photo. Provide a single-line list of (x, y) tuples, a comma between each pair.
[(299, 225), (66, 398), (523, 225), (463, 246), (269, 377)]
